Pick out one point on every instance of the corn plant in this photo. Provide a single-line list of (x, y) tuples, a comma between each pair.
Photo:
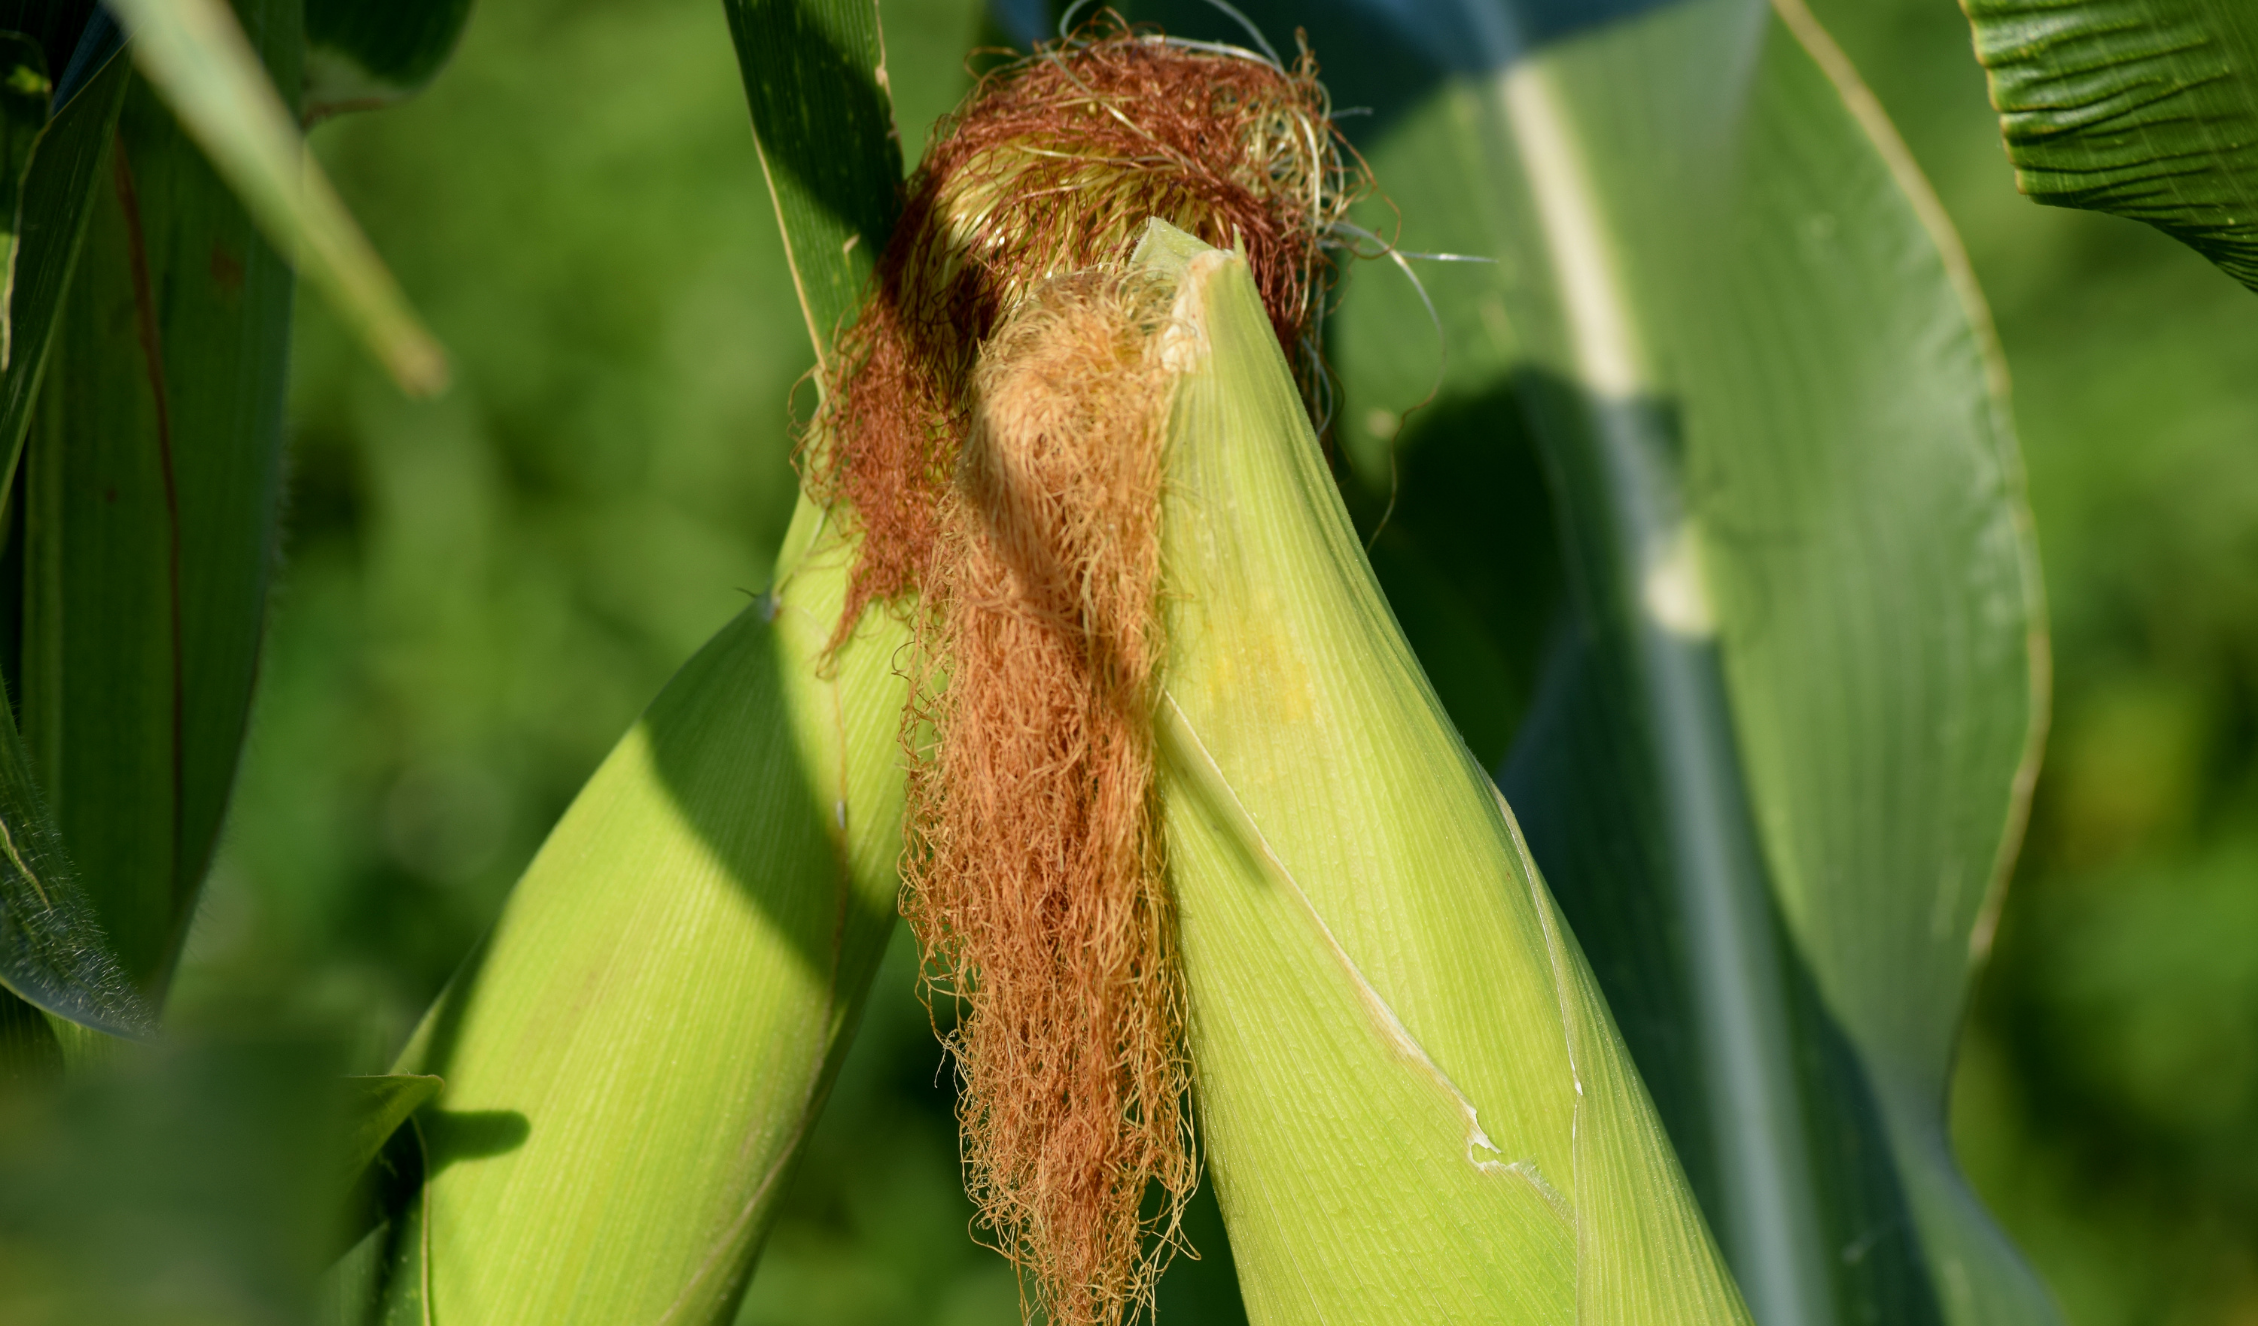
[(1661, 1033)]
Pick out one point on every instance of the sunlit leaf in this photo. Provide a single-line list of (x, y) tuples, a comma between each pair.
[(198, 56), (1413, 1101), (2144, 108)]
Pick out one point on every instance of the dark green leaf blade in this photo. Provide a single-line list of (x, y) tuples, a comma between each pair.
[(58, 183), (152, 501), (376, 1106), (2143, 108), (54, 951), (25, 91), (362, 54), (815, 79)]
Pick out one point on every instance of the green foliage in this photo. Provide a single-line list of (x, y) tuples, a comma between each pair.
[(153, 482), (366, 53), (198, 56), (815, 76), (483, 591), (2143, 108)]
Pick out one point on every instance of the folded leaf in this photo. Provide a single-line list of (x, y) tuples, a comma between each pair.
[(2144, 108)]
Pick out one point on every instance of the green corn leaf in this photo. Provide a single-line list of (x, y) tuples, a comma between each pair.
[(366, 53), (656, 1017), (815, 79), (375, 1107), (1413, 1102), (25, 91), (55, 952), (52, 207), (1780, 758), (197, 55), (151, 503), (2144, 108)]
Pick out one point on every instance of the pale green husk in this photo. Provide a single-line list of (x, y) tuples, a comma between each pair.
[(636, 1052), (1413, 1102)]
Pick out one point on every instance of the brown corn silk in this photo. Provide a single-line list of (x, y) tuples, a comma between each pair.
[(1035, 878), (993, 422)]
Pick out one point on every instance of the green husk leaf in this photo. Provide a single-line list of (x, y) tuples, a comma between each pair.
[(151, 510), (1780, 757), (197, 55), (2143, 108), (362, 54), (375, 1107), (1413, 1102), (815, 78), (656, 1017)]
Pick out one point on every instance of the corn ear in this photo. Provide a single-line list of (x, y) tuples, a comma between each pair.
[(1413, 1102), (635, 1053)]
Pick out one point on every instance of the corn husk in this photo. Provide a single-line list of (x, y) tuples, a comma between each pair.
[(634, 1055), (1413, 1102)]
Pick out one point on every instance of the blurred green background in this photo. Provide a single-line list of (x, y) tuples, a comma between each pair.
[(480, 593)]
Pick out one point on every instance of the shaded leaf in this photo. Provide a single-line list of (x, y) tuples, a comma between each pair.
[(197, 55), (375, 1107), (362, 54), (151, 506), (57, 187), (2144, 108), (815, 79), (24, 93), (54, 950)]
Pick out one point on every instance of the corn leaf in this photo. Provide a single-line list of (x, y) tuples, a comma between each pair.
[(362, 54), (196, 53), (2144, 108), (55, 953), (52, 206), (815, 79), (375, 1107), (656, 1017), (1413, 1102), (1780, 757), (150, 507)]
